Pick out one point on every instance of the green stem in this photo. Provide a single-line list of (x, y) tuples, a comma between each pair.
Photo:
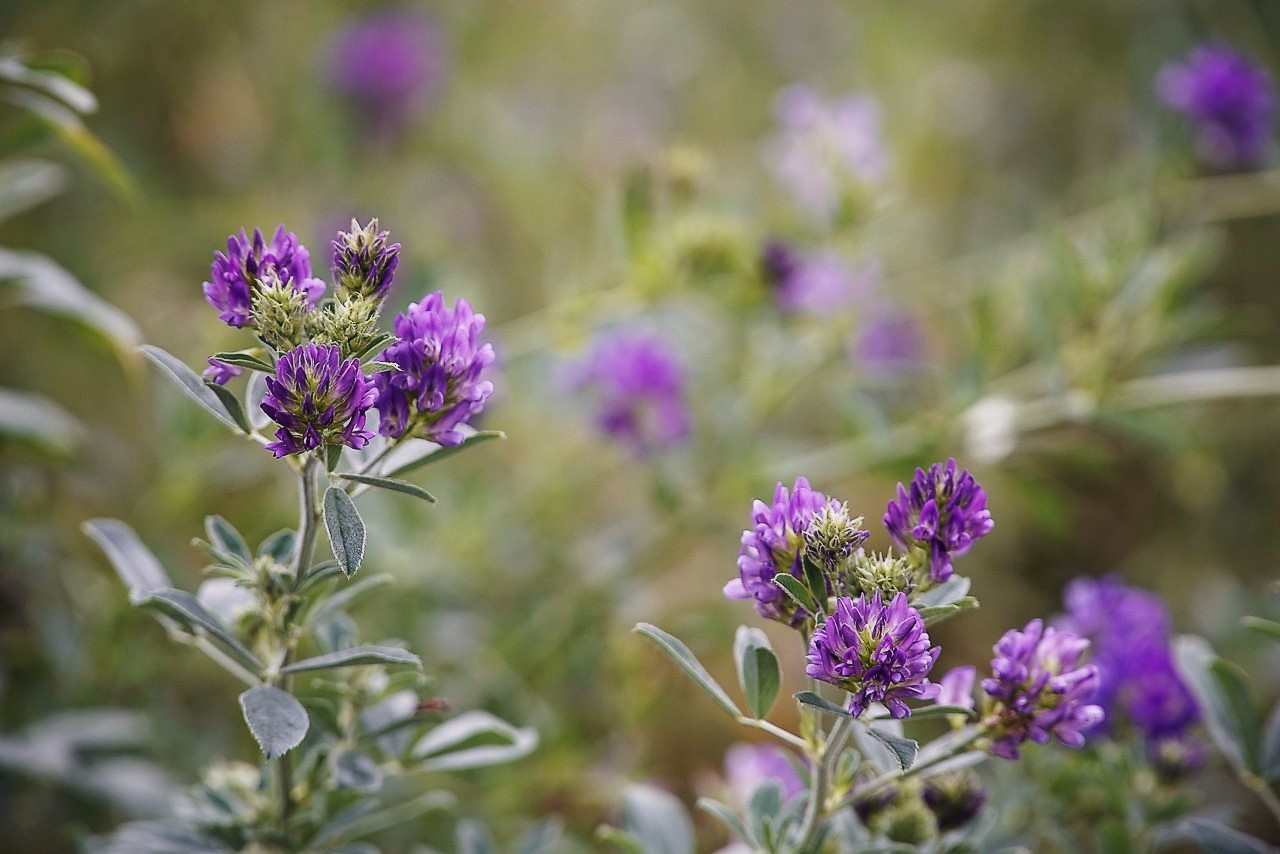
[(775, 731), (822, 764), (885, 780)]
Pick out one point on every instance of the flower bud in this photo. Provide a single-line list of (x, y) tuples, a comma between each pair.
[(887, 573), (954, 799), (364, 262), (351, 323), (279, 312), (832, 537)]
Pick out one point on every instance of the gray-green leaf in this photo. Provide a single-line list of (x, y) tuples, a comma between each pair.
[(1219, 689), (675, 649), (657, 820), (346, 529), (191, 384), (276, 719), (758, 671), (137, 567), (392, 484), (448, 747), (184, 606), (354, 657)]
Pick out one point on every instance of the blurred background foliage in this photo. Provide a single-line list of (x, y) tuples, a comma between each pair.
[(579, 167)]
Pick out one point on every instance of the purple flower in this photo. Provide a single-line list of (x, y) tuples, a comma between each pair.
[(363, 260), (957, 687), (773, 544), (822, 283), (1229, 100), (888, 342), (235, 275), (954, 799), (1039, 689), (640, 387), (317, 399), (1130, 629), (821, 148), (878, 653), (439, 385), (944, 514), (220, 373), (749, 766), (390, 64)]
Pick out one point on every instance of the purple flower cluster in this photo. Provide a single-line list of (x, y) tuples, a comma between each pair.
[(1039, 689), (821, 147), (641, 391), (1230, 101), (773, 544), (317, 399), (944, 513), (749, 766), (439, 382), (390, 64), (234, 275), (877, 652), (1138, 682), (364, 261)]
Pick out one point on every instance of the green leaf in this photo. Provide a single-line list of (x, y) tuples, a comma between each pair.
[(137, 567), (223, 535), (191, 384), (762, 811), (815, 701), (232, 404), (26, 183), (542, 837), (904, 750), (758, 671), (184, 606), (355, 769), (1270, 760), (70, 93), (952, 590), (363, 819), (279, 546), (729, 819), (816, 581), (344, 597), (933, 614), (657, 820), (346, 529), (388, 483), (932, 712), (276, 719), (377, 345), (1267, 628), (354, 657), (379, 367), (466, 742), (415, 455), (255, 391), (675, 649), (472, 837), (70, 130), (44, 286), (39, 421), (1216, 838), (242, 359), (332, 456), (1220, 690), (796, 590)]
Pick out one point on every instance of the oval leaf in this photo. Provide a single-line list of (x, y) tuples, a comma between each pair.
[(354, 657), (904, 750), (809, 698), (137, 567), (657, 820), (346, 529), (675, 649), (758, 671), (796, 590), (276, 719), (1219, 689)]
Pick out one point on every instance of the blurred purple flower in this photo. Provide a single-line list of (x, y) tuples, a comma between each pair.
[(816, 284), (822, 147), (235, 275), (1040, 689), (220, 373), (1130, 629), (317, 399), (390, 64), (954, 799), (1229, 100), (773, 544), (888, 341), (944, 514), (640, 389), (957, 687), (878, 653), (440, 383), (749, 766)]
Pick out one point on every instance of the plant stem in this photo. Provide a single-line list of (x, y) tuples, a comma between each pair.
[(816, 808), (775, 731)]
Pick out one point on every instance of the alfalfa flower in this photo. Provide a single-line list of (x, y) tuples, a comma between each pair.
[(640, 391), (317, 399), (878, 652), (774, 544), (749, 766), (439, 382), (220, 373), (1230, 101), (238, 274), (1039, 688), (364, 261), (942, 515)]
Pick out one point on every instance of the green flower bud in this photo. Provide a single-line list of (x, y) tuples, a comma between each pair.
[(350, 323), (279, 312), (832, 537), (888, 573)]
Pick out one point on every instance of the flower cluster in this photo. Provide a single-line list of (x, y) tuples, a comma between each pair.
[(942, 515), (1138, 682), (641, 391), (317, 399), (821, 148), (364, 261), (773, 545), (1229, 100), (438, 384), (878, 652), (241, 272), (1039, 689)]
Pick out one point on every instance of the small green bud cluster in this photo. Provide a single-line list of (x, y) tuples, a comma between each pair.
[(832, 538), (888, 573), (349, 322), (279, 312)]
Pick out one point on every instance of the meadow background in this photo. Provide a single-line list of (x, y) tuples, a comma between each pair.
[(578, 168)]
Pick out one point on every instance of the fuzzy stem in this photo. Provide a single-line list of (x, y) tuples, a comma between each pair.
[(816, 809)]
